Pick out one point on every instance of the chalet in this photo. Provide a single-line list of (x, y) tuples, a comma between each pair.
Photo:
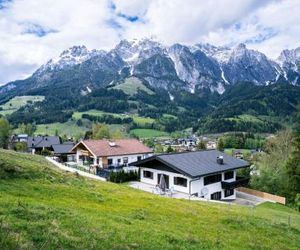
[(62, 151), (110, 153), (209, 174), (38, 143)]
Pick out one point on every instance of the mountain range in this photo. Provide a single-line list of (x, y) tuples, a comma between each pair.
[(179, 73), (188, 68)]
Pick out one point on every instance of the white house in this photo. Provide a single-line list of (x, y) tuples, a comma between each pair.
[(209, 174), (106, 153)]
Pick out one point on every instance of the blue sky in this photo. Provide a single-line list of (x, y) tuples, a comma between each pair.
[(34, 31)]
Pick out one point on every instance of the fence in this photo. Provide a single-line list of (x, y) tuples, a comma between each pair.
[(267, 196)]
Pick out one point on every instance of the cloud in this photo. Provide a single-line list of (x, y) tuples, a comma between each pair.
[(33, 31)]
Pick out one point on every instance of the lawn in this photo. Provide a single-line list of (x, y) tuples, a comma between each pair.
[(131, 86), (142, 121), (17, 102), (44, 208), (243, 151), (148, 133)]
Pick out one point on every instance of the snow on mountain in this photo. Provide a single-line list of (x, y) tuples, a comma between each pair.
[(190, 68)]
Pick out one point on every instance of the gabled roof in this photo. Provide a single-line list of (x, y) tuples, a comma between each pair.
[(63, 148), (42, 141), (196, 164), (114, 147)]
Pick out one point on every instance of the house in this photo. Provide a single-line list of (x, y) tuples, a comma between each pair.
[(209, 174), (237, 154), (62, 152), (19, 138), (16, 139), (211, 145), (101, 154), (36, 144)]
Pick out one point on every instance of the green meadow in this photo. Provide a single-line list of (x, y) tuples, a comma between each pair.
[(17, 102), (42, 207)]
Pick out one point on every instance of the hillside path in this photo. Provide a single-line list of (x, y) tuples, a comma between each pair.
[(73, 170)]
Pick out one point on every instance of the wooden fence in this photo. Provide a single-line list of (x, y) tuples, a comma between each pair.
[(267, 196)]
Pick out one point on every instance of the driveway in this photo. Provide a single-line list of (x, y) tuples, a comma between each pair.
[(247, 199)]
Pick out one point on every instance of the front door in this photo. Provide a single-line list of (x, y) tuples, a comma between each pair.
[(166, 179)]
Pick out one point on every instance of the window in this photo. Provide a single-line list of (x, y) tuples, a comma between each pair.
[(228, 192), (179, 181), (139, 158), (119, 161), (109, 161), (148, 174), (228, 175), (125, 160), (215, 196), (212, 179)]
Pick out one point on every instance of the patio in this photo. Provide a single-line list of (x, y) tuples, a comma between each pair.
[(168, 193), (241, 198)]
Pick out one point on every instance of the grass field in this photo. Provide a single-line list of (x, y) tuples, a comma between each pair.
[(17, 102), (70, 129), (148, 133), (246, 118), (142, 121), (243, 151), (44, 208), (132, 85)]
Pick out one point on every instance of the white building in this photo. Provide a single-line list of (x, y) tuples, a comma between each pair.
[(106, 153), (209, 174)]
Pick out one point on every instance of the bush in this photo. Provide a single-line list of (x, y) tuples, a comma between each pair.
[(20, 146), (45, 152), (122, 176)]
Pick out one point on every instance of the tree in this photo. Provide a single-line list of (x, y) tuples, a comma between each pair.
[(201, 145), (169, 149), (28, 129), (4, 133), (20, 146), (158, 148), (220, 144), (100, 131), (272, 174), (293, 164)]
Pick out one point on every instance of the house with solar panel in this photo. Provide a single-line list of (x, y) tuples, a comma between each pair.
[(208, 174)]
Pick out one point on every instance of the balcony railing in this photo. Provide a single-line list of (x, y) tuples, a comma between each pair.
[(240, 181)]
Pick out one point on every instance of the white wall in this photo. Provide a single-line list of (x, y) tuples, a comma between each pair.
[(171, 175), (131, 158), (196, 184)]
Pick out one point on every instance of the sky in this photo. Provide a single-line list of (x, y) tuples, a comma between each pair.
[(34, 31)]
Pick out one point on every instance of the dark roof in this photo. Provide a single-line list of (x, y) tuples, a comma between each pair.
[(196, 164), (63, 148), (42, 141)]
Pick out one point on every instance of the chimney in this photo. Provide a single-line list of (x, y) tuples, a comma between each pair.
[(112, 144), (220, 160)]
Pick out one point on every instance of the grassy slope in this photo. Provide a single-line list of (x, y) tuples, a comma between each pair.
[(132, 85), (69, 128), (43, 208), (138, 119), (148, 133), (17, 102)]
